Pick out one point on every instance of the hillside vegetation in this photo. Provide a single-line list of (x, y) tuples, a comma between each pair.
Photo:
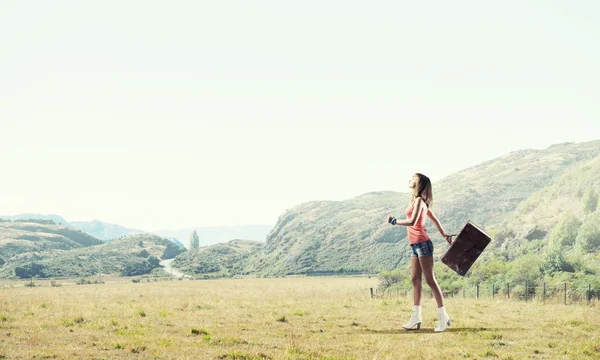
[(540, 206), (133, 255), (21, 237), (217, 260), (353, 236)]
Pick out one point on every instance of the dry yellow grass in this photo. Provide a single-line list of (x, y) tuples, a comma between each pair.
[(291, 318)]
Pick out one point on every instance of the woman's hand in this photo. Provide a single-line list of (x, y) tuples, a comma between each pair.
[(448, 238)]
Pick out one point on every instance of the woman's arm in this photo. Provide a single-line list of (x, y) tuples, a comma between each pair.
[(417, 208), (439, 226)]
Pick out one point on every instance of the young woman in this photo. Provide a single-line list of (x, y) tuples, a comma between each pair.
[(421, 260)]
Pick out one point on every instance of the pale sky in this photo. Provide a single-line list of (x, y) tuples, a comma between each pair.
[(171, 114)]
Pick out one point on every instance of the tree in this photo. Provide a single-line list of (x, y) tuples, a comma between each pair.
[(565, 232), (29, 271), (554, 261), (588, 238), (389, 278), (487, 271), (525, 268), (136, 268), (153, 260), (22, 272), (589, 200), (194, 240)]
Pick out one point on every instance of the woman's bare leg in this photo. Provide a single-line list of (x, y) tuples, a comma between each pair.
[(416, 273), (426, 263)]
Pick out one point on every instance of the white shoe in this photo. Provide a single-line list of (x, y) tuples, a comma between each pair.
[(443, 320), (415, 319)]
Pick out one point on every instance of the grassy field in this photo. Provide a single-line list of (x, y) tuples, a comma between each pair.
[(290, 318)]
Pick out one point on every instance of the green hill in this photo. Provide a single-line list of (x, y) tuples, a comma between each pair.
[(210, 235), (133, 255), (218, 260), (553, 235), (21, 237), (353, 236), (536, 216)]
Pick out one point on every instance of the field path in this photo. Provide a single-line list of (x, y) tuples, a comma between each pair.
[(166, 264)]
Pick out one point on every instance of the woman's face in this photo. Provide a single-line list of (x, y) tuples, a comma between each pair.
[(413, 181)]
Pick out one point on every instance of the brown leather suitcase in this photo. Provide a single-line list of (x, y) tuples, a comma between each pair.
[(466, 248)]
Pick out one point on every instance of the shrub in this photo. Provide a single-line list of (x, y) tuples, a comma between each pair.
[(396, 276), (82, 281), (564, 233), (589, 200), (525, 268), (588, 238), (153, 260), (22, 272), (199, 332)]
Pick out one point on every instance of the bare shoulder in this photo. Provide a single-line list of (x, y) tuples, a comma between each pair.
[(419, 201)]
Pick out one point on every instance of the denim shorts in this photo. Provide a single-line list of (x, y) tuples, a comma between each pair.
[(420, 249)]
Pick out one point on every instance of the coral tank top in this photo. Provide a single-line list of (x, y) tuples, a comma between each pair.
[(417, 233)]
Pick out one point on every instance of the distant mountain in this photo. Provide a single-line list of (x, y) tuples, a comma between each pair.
[(103, 230), (108, 231), (29, 216), (219, 234)]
